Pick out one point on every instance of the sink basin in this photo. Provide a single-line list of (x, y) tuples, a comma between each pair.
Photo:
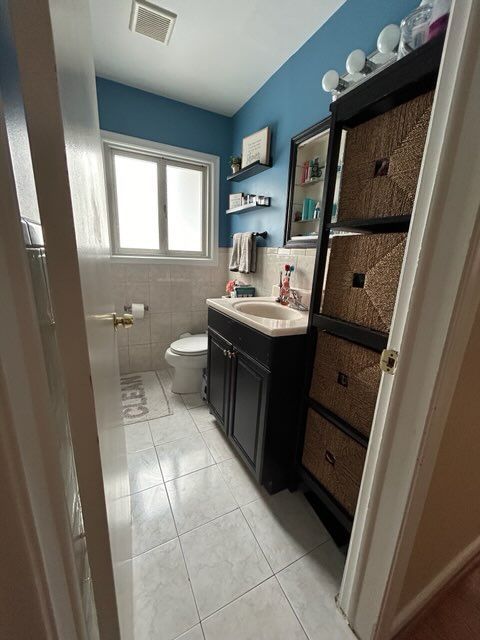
[(271, 310)]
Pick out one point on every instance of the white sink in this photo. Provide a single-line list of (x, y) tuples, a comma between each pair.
[(267, 309), (264, 314)]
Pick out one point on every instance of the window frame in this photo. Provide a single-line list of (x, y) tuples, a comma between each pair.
[(163, 155)]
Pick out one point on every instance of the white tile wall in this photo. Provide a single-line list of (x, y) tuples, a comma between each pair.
[(270, 261), (176, 297)]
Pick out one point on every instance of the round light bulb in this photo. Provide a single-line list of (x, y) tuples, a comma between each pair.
[(330, 80), (356, 61), (388, 38)]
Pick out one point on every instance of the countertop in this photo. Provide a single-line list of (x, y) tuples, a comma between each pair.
[(269, 326)]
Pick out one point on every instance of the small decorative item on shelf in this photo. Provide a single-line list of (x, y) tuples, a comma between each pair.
[(308, 209), (243, 291), (297, 216), (235, 200), (230, 287), (239, 289), (235, 163), (256, 148)]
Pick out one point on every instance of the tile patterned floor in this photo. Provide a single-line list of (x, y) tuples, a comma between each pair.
[(215, 557)]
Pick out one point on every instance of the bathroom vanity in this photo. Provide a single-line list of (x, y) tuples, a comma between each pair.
[(255, 377)]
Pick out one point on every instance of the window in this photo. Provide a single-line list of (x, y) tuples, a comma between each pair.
[(161, 200)]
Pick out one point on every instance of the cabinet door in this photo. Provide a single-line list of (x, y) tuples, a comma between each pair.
[(248, 408), (219, 351)]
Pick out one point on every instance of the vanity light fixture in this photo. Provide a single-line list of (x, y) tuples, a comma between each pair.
[(388, 39), (332, 82), (357, 62)]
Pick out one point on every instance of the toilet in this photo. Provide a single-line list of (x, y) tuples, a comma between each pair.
[(188, 357)]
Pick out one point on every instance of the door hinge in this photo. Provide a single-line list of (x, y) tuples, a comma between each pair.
[(388, 361)]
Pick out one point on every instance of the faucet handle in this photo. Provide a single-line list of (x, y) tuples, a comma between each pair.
[(296, 295)]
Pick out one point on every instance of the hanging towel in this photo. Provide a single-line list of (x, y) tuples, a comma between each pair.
[(244, 254)]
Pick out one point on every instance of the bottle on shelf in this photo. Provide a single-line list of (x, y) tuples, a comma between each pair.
[(427, 21), (414, 28)]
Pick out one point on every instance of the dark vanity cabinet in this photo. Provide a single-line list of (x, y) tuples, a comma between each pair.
[(254, 386)]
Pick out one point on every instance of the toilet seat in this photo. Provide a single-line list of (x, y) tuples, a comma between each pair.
[(196, 345)]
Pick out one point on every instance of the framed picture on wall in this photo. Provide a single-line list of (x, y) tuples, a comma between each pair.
[(256, 148)]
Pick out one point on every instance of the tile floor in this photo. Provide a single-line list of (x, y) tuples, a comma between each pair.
[(215, 557)]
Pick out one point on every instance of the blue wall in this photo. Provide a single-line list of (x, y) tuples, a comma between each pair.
[(293, 99), (126, 110), (290, 101)]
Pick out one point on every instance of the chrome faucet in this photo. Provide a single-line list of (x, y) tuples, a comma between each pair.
[(295, 301)]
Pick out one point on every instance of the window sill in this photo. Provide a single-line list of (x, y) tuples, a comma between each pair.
[(166, 260)]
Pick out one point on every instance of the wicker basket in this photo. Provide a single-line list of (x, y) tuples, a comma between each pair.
[(334, 459), (362, 278), (382, 162), (345, 380)]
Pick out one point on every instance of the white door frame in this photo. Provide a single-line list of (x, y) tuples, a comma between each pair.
[(437, 300)]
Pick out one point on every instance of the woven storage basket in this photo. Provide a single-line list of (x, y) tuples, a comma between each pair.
[(334, 459), (362, 278), (382, 161), (345, 380)]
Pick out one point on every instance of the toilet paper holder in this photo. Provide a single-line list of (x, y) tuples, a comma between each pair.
[(128, 308)]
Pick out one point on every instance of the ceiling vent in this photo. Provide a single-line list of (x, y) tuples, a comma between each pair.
[(152, 21)]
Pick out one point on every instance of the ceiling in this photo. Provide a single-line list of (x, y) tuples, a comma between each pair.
[(221, 51)]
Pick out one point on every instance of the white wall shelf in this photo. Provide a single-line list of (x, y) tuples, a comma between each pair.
[(247, 207)]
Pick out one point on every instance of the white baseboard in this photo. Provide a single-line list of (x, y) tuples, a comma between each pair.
[(453, 568)]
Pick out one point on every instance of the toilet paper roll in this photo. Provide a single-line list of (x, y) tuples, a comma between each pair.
[(138, 310)]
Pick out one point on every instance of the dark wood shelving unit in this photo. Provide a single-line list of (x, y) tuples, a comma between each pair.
[(355, 332), (338, 422), (338, 512), (252, 170), (388, 224), (398, 83)]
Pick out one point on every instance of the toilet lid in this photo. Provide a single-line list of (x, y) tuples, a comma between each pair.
[(191, 346)]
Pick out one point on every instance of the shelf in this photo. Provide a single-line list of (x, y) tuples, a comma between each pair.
[(393, 85), (312, 238), (389, 224), (310, 220), (343, 426), (330, 503), (309, 182), (376, 340), (247, 207), (248, 172)]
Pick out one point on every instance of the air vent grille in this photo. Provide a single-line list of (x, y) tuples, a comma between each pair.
[(152, 21)]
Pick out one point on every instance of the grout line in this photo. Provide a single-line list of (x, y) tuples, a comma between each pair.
[(302, 556), (199, 526), (292, 609), (258, 543), (183, 555), (139, 555), (134, 493), (224, 606)]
